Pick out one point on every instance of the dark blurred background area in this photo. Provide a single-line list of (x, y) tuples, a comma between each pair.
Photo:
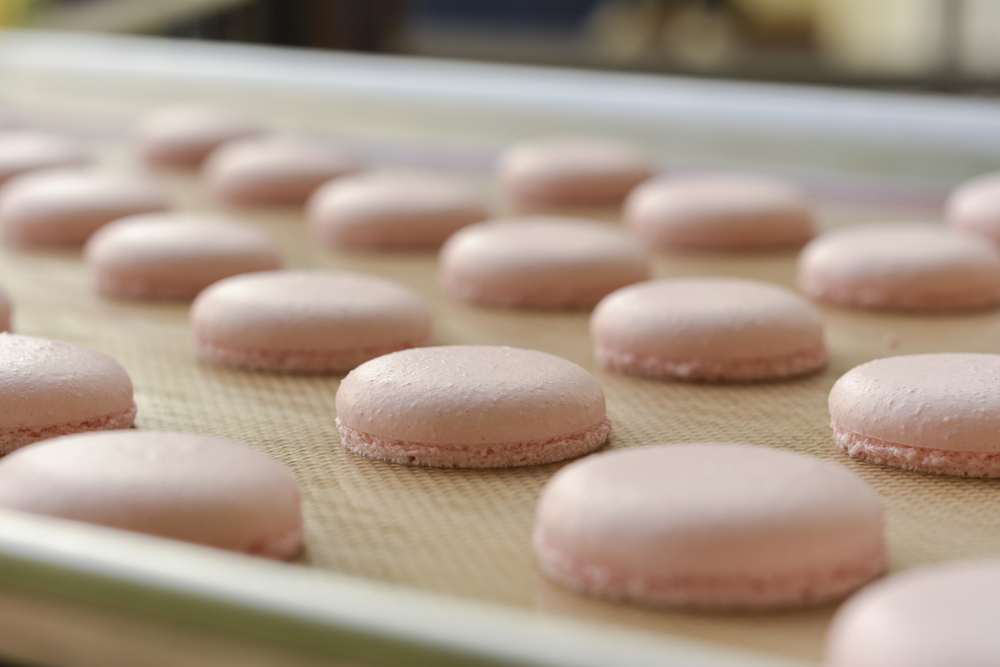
[(940, 45)]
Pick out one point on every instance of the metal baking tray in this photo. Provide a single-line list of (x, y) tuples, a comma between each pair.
[(409, 566)]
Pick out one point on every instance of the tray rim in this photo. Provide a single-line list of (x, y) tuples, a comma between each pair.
[(321, 612), (891, 118)]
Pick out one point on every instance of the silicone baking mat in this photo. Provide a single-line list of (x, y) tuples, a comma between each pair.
[(466, 532)]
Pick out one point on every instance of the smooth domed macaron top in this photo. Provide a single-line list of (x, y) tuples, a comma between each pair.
[(182, 136), (930, 616), (572, 170), (309, 310), (393, 210), (719, 210), (189, 248), (372, 195), (718, 318), (86, 188), (275, 168), (898, 257), (45, 382), (65, 206), (528, 251), (945, 401), (469, 395), (713, 510), (22, 151), (975, 206), (184, 486)]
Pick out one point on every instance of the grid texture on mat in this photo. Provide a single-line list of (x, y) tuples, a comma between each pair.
[(466, 532)]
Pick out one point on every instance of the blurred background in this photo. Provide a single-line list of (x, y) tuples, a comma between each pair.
[(939, 45)]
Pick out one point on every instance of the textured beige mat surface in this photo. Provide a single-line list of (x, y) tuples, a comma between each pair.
[(467, 532)]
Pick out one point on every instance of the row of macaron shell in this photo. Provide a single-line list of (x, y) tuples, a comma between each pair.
[(469, 273), (70, 453), (923, 305), (888, 266)]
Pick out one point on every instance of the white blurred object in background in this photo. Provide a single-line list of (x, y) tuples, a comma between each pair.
[(884, 37), (912, 37), (980, 38)]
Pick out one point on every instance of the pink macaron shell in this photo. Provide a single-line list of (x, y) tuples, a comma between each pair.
[(974, 206), (175, 255), (927, 412), (571, 171), (306, 321), (929, 616), (719, 211), (182, 486), (274, 169), (392, 211), (540, 262), (22, 151), (713, 525), (52, 387), (901, 266), (181, 137), (708, 329), (471, 406), (66, 206)]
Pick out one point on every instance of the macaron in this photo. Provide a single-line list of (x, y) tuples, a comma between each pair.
[(902, 266), (540, 262), (974, 206), (929, 616), (66, 206), (471, 406), (927, 412), (22, 151), (709, 525), (274, 169), (51, 387), (722, 329), (306, 321), (182, 136), (392, 211), (175, 255), (571, 171), (182, 486), (718, 211)]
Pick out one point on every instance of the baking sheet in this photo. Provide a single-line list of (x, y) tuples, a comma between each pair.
[(465, 533)]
